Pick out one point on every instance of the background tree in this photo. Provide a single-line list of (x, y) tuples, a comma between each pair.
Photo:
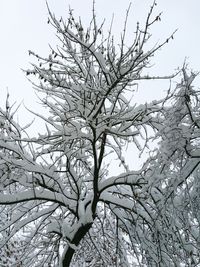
[(11, 253), (66, 206), (178, 172)]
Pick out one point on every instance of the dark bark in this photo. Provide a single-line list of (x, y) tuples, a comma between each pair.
[(76, 240)]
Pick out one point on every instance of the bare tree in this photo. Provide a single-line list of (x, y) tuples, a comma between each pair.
[(65, 206)]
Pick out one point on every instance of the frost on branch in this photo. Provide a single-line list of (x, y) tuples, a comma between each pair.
[(64, 204)]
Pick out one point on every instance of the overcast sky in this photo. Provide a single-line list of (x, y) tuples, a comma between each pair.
[(23, 27)]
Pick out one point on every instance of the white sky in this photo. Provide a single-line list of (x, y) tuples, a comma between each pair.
[(23, 27)]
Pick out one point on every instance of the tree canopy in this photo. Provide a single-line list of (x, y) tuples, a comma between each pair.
[(59, 205)]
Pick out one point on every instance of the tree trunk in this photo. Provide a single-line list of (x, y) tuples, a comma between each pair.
[(76, 240)]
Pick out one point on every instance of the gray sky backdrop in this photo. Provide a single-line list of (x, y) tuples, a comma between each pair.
[(23, 27)]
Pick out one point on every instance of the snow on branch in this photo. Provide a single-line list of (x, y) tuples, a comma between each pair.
[(56, 190)]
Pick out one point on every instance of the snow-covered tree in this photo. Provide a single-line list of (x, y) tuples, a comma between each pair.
[(66, 208), (175, 173), (11, 252)]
